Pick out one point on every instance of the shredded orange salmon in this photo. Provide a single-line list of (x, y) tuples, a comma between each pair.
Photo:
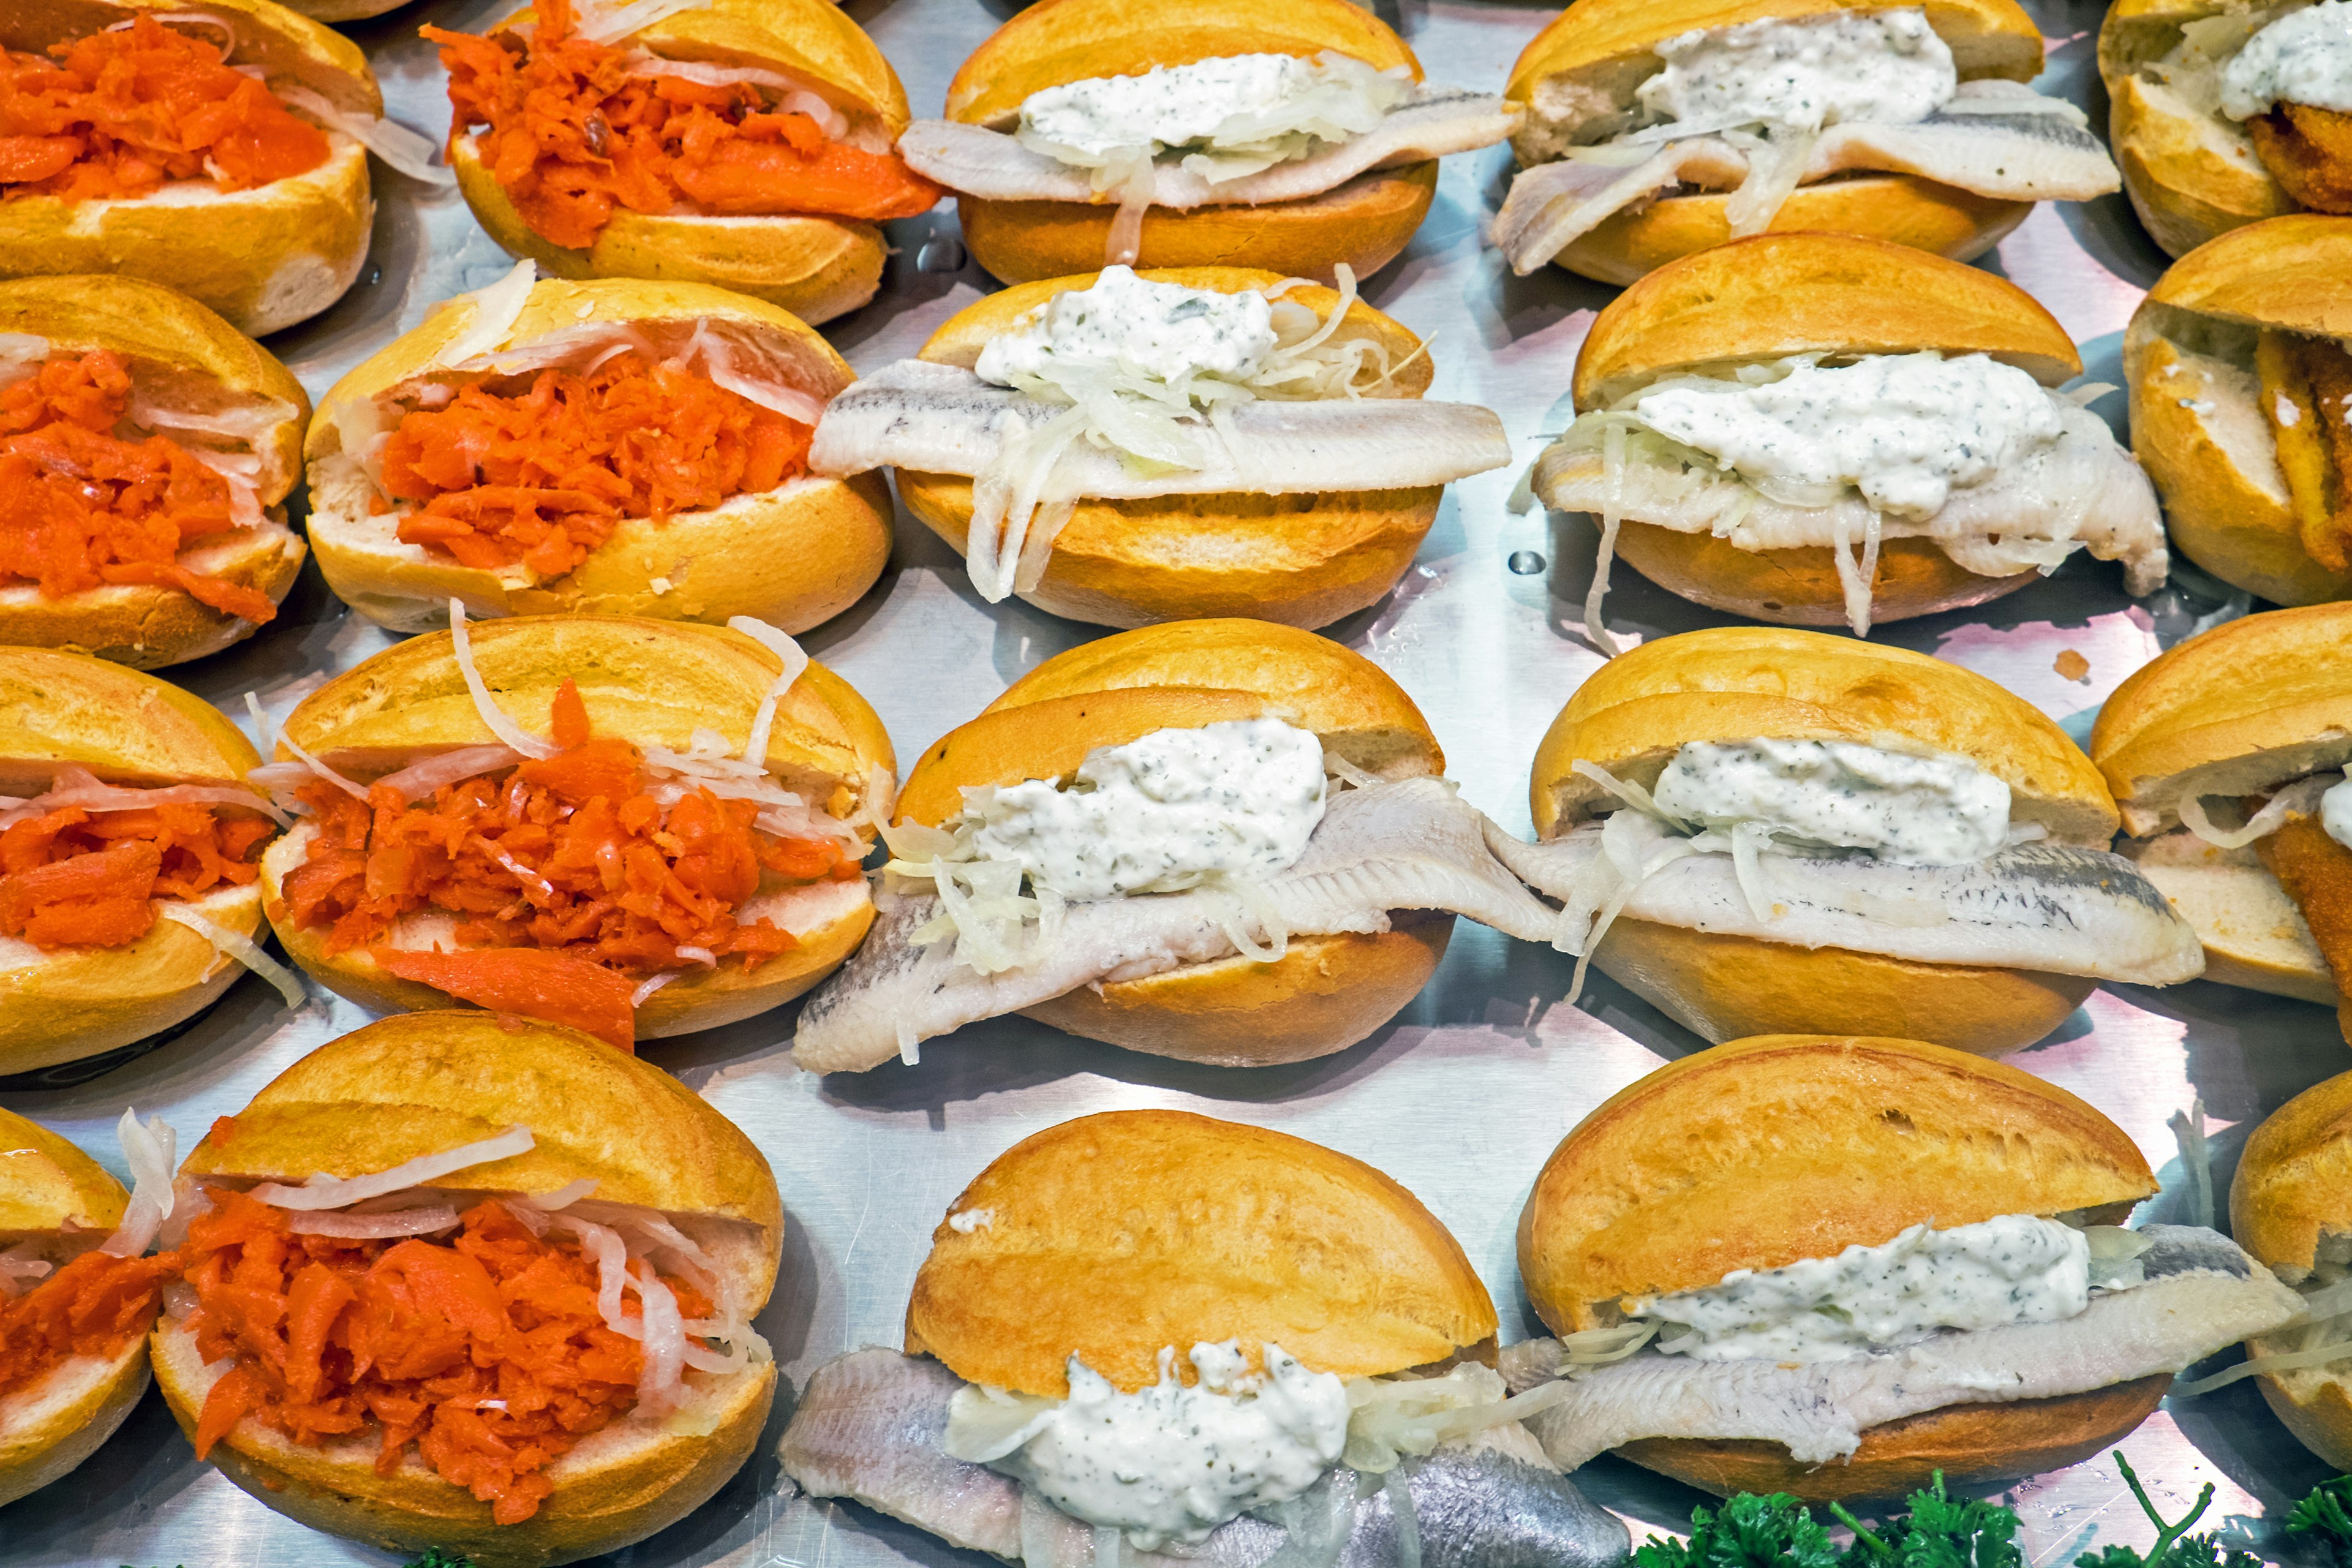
[(484, 1350), (81, 507), (543, 476), (116, 115), (74, 877), (90, 1306), (570, 133)]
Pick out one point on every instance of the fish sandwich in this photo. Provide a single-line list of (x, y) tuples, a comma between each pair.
[(1763, 831), (1285, 1351), (1127, 447), (1733, 1309)]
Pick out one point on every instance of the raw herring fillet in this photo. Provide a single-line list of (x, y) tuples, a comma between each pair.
[(937, 418), (1409, 846), (995, 167)]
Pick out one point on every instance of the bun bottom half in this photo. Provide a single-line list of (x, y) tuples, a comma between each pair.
[(1723, 987), (1301, 561), (1799, 587), (1903, 209), (148, 626), (1972, 1445), (48, 1428), (1364, 223), (1324, 994), (618, 1486), (816, 268), (2311, 1404), (2253, 935), (77, 1002)]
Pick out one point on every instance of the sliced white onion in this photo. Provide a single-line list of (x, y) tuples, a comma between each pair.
[(791, 97), (601, 24), (719, 363), (80, 787), (376, 1226), (651, 983), (2298, 796), (151, 1148), (19, 1268), (496, 310), (755, 748), (325, 1192), (248, 423), (273, 737), (410, 152), (500, 725), (562, 1197), (240, 947), (661, 1380), (418, 780)]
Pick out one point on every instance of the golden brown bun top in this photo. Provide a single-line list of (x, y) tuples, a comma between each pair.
[(965, 333), (1737, 683), (2295, 1179), (46, 1184), (1779, 294), (418, 1083), (283, 43), (2260, 683), (1987, 37), (1764, 1152), (650, 682), (1177, 676), (557, 306), (1059, 41), (1113, 1236), (127, 727), (2294, 273)]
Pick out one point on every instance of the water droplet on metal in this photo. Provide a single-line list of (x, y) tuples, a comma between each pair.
[(1526, 563), (941, 253)]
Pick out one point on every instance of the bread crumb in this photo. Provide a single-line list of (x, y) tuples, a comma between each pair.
[(2073, 664), (659, 585)]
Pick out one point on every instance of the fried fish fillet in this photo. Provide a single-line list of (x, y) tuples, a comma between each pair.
[(2306, 385), (2308, 150), (2316, 872)]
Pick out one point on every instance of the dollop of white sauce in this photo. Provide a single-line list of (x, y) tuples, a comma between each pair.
[(2304, 56), (1220, 99), (2018, 1269), (1167, 1463), (1888, 66), (1903, 430), (2335, 811), (1160, 814), (1921, 811), (1124, 323)]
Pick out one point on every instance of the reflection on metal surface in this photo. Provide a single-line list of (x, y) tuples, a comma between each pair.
[(1462, 1097)]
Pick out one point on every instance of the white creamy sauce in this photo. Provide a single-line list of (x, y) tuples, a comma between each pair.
[(1237, 100), (1921, 811), (1167, 1463), (2304, 56), (1903, 430), (1161, 330), (2014, 1269), (1888, 66), (1160, 814), (2335, 811)]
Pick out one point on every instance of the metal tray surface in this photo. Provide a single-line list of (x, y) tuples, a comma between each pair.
[(1462, 1097)]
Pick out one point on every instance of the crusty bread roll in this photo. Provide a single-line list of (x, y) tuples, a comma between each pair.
[(184, 357), (1731, 683), (1230, 1232), (652, 682), (1745, 1157), (59, 710), (1363, 223), (416, 1085), (47, 1428), (1599, 50), (792, 556), (265, 258), (2291, 1207), (1301, 559), (1328, 992), (2196, 421)]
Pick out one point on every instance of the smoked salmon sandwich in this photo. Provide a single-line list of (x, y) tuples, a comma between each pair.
[(221, 149), (2227, 754), (618, 446), (78, 1293), (1151, 1332), (477, 1284), (1820, 430), (146, 451), (1735, 1309), (1295, 136), (1227, 841), (1655, 130), (748, 143), (639, 829), (1763, 831), (1127, 447), (130, 858)]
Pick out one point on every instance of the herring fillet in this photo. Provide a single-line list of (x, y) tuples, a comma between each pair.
[(995, 167), (1819, 1411), (937, 418), (2038, 907), (1409, 845)]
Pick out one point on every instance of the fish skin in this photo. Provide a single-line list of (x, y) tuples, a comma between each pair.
[(992, 165), (871, 1425), (939, 418), (1409, 845)]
